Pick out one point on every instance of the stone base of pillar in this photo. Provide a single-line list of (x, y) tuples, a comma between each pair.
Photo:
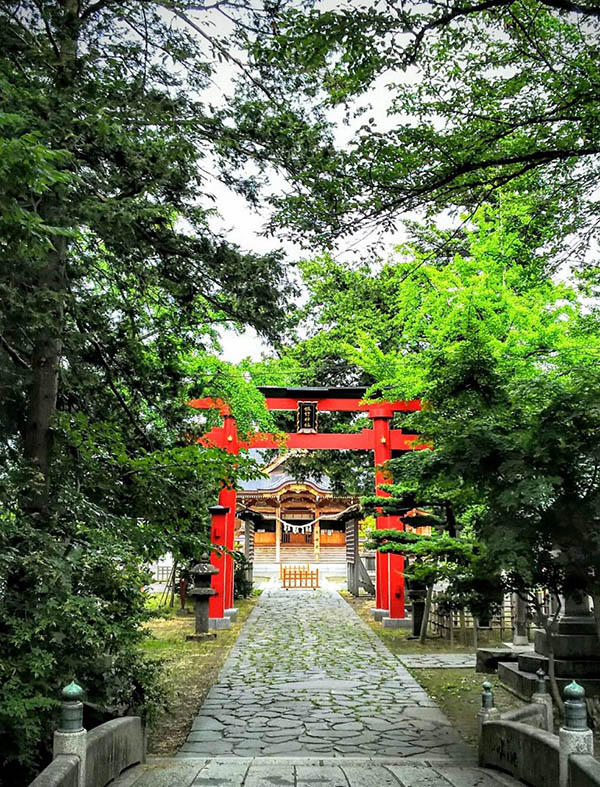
[(73, 743), (219, 623), (232, 614), (200, 637), (379, 614), (519, 639), (572, 742), (396, 623)]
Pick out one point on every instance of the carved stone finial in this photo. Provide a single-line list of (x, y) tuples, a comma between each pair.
[(487, 695), (541, 682), (575, 708)]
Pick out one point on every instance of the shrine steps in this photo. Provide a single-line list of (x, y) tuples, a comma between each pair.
[(291, 555)]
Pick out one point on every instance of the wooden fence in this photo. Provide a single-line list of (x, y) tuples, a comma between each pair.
[(162, 573), (305, 567), (461, 626), (299, 577)]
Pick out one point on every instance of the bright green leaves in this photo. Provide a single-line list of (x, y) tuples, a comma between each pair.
[(477, 98), (113, 291)]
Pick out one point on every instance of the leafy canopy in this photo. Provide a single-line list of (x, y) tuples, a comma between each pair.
[(478, 96)]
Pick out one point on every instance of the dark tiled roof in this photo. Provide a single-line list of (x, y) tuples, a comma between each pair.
[(277, 392), (277, 479)]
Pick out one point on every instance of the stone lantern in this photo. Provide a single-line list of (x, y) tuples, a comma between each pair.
[(201, 591)]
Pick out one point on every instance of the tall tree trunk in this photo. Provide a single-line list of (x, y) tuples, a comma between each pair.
[(45, 363), (426, 611), (554, 690), (450, 519), (47, 345), (463, 627)]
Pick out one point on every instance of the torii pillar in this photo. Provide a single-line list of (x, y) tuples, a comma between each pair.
[(389, 580), (221, 610)]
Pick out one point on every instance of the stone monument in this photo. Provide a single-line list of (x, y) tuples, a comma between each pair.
[(576, 654), (201, 592)]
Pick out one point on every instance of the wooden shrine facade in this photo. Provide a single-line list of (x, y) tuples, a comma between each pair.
[(293, 521), (307, 402)]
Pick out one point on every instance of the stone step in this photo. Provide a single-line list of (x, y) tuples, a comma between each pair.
[(488, 658), (299, 554), (523, 684), (324, 771), (569, 646), (577, 626), (564, 668)]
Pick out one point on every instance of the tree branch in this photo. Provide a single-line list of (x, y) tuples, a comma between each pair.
[(113, 387), (14, 354)]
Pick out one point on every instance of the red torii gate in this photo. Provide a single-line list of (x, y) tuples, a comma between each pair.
[(308, 402)]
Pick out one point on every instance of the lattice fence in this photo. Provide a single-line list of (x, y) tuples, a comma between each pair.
[(460, 626), (299, 577)]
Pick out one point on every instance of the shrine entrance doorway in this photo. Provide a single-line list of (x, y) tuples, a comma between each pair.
[(298, 538), (382, 439)]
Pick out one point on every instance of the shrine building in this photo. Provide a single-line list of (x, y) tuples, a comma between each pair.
[(293, 521)]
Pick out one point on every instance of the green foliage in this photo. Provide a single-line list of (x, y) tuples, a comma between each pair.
[(462, 565), (504, 359), (113, 289), (477, 97), (242, 587)]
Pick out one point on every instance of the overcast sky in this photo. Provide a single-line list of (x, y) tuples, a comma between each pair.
[(245, 227)]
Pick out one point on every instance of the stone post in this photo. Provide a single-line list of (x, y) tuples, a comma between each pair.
[(201, 592), (488, 710), (520, 635), (542, 697), (575, 737), (70, 737)]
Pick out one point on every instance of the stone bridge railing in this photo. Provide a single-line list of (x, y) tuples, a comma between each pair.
[(522, 742), (95, 758)]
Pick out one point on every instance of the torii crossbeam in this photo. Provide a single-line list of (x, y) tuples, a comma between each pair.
[(308, 403)]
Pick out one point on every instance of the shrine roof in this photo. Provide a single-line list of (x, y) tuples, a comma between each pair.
[(277, 480), (279, 476), (277, 392)]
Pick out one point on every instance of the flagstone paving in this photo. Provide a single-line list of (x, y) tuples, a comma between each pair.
[(437, 660), (315, 772), (310, 697), (307, 677)]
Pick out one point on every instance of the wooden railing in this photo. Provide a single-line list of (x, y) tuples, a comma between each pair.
[(296, 568), (299, 577)]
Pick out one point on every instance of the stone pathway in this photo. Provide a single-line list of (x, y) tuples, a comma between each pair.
[(307, 677), (437, 660), (296, 772), (310, 697)]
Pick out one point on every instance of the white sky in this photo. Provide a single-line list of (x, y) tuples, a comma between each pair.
[(245, 227)]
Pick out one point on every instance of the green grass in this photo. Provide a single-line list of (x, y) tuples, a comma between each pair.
[(190, 668), (400, 640), (458, 693)]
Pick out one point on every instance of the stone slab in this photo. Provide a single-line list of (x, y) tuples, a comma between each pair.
[(311, 771), (567, 646), (564, 668), (378, 614), (523, 684), (219, 623), (396, 623), (437, 660)]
